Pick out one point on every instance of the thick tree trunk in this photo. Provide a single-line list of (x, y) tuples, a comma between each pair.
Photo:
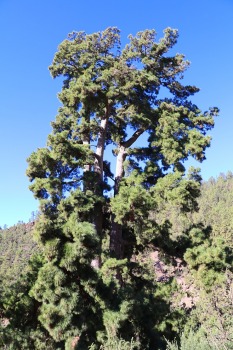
[(98, 169), (87, 168), (116, 232), (99, 154)]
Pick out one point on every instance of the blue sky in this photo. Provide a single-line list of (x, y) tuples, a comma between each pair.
[(30, 32)]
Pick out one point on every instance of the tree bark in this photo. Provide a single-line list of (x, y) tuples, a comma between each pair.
[(116, 232), (99, 154), (98, 170), (87, 168)]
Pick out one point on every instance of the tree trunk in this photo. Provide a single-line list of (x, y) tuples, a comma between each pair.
[(98, 169), (87, 168), (116, 232)]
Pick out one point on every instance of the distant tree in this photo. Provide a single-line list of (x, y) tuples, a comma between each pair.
[(16, 248), (213, 315), (93, 224), (216, 208), (34, 216)]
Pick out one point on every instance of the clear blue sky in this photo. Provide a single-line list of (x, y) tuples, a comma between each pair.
[(30, 32)]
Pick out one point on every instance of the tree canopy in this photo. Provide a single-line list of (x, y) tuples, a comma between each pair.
[(94, 221)]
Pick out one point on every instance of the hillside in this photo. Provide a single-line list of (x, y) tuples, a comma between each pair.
[(16, 248)]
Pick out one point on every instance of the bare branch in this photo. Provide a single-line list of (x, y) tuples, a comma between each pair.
[(133, 138)]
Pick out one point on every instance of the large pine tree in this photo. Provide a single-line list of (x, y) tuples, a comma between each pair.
[(95, 223)]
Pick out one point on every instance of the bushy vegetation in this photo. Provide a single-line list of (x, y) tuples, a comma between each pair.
[(207, 324)]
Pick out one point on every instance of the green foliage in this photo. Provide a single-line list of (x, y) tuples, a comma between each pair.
[(16, 248), (117, 344), (215, 314), (96, 284), (20, 328), (210, 258), (211, 250), (216, 207), (66, 284), (192, 341)]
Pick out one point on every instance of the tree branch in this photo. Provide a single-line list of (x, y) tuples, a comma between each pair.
[(133, 138)]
